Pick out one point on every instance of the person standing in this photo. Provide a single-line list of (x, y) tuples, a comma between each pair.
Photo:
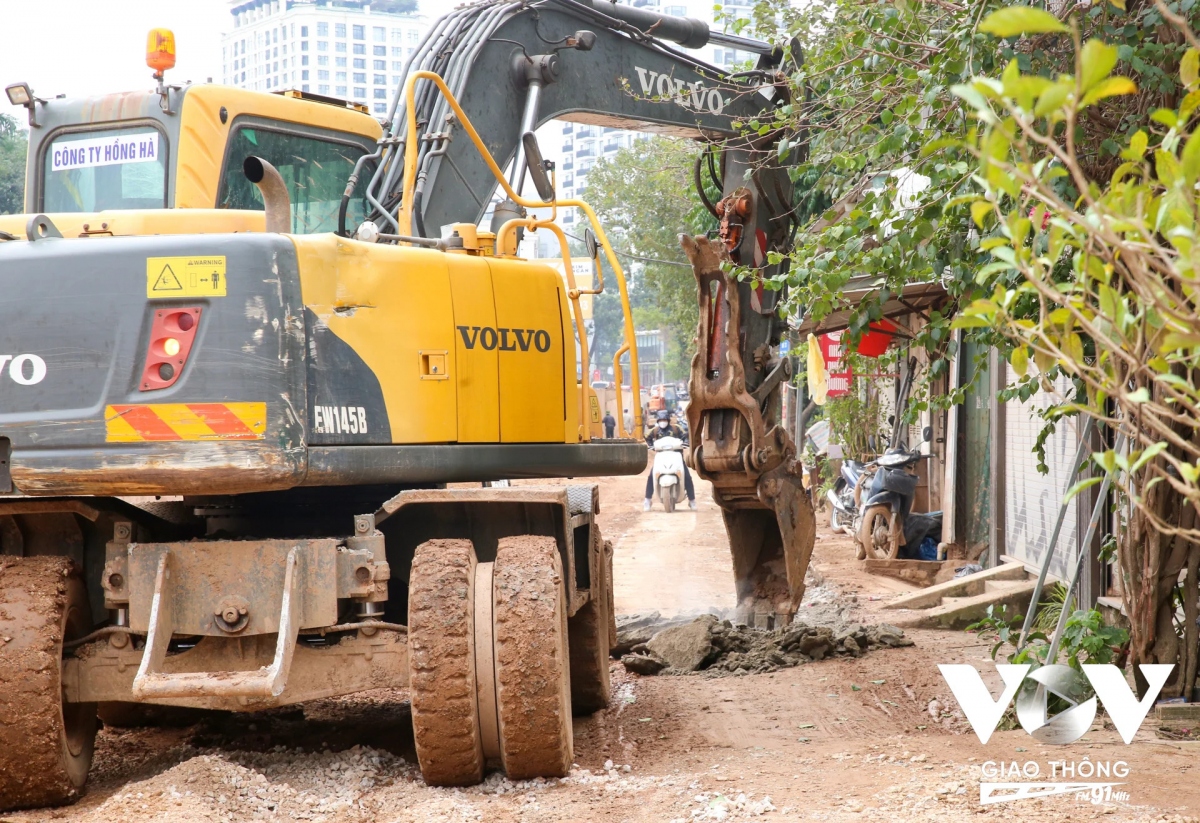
[(610, 425)]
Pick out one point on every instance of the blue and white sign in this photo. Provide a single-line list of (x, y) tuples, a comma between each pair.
[(104, 151), (785, 346)]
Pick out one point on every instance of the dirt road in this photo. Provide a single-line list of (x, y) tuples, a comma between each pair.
[(870, 739)]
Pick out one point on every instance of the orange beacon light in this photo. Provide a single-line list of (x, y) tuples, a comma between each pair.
[(160, 50)]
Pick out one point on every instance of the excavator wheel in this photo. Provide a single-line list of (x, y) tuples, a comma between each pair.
[(45, 744), (441, 644), (590, 643), (533, 676)]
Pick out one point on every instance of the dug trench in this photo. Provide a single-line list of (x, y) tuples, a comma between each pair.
[(874, 736)]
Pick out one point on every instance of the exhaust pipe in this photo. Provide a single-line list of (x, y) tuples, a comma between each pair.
[(274, 193)]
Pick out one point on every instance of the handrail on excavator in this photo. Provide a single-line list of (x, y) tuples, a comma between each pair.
[(404, 219)]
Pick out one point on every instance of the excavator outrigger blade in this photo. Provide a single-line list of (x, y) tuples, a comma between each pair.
[(740, 446)]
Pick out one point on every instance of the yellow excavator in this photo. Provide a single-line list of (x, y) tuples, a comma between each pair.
[(248, 341)]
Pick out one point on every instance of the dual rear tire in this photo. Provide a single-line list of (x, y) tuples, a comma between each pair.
[(491, 660)]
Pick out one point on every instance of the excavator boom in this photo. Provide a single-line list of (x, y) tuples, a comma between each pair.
[(604, 63)]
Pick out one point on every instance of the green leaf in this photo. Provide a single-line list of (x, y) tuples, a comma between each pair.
[(1052, 99), (1165, 116), (977, 101), (1112, 87), (1147, 455), (1189, 104), (1190, 472), (1096, 62), (979, 210), (1167, 167), (1191, 158), (1020, 361), (1137, 146), (1080, 486), (1189, 69), (1014, 20), (1118, 3), (1178, 340)]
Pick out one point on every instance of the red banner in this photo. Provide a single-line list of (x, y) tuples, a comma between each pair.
[(834, 354)]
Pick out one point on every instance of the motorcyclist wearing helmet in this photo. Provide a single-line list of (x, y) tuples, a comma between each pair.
[(663, 427)]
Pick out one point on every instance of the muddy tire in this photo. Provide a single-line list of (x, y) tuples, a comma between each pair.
[(668, 500), (441, 647), (877, 535), (533, 677), (45, 744), (589, 642)]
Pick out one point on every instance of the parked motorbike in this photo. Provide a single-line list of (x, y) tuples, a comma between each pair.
[(888, 527), (668, 471), (843, 497)]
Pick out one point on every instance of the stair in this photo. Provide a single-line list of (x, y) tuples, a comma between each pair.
[(958, 603)]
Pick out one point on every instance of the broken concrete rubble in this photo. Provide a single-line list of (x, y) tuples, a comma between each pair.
[(709, 645), (638, 628), (685, 647)]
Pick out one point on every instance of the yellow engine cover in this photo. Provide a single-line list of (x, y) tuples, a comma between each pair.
[(464, 349)]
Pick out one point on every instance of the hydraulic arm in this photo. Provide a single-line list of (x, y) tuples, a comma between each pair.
[(509, 66)]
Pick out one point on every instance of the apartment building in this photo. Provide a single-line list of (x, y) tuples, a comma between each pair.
[(352, 49)]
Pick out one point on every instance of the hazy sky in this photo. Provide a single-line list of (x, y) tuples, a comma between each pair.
[(83, 47)]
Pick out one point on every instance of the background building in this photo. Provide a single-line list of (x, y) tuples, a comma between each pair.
[(352, 49)]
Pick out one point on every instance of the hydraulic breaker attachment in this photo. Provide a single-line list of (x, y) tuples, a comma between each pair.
[(740, 446)]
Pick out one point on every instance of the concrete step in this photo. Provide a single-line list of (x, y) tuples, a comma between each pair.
[(968, 586), (959, 612), (1000, 585)]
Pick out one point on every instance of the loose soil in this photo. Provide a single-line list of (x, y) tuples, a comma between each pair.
[(797, 744)]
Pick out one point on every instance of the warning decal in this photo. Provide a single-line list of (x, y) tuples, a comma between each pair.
[(185, 277), (185, 421)]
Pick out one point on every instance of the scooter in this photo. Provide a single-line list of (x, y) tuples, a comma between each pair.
[(888, 524), (668, 471), (843, 497)]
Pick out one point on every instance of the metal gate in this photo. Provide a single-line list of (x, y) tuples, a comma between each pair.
[(1032, 499)]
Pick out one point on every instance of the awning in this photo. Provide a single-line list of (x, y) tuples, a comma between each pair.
[(917, 298)]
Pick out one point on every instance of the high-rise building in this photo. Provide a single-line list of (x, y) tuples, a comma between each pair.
[(352, 49)]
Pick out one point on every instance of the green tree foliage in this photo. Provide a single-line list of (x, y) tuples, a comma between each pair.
[(645, 198), (885, 136), (1044, 169), (13, 145), (1096, 277)]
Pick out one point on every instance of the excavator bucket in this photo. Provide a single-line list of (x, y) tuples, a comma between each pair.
[(740, 446)]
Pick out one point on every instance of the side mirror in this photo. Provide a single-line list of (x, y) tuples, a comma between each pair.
[(593, 247), (872, 443), (537, 167), (927, 434)]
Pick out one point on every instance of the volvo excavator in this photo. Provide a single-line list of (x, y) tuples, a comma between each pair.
[(261, 358)]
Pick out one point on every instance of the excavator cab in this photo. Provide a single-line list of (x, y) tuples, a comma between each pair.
[(121, 163)]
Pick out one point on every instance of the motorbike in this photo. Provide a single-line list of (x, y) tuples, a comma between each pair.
[(844, 496), (668, 471), (888, 527)]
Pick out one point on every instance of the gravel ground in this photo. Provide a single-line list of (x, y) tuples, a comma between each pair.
[(876, 738)]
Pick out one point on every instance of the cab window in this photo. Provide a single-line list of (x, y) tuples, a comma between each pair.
[(121, 168), (315, 170)]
